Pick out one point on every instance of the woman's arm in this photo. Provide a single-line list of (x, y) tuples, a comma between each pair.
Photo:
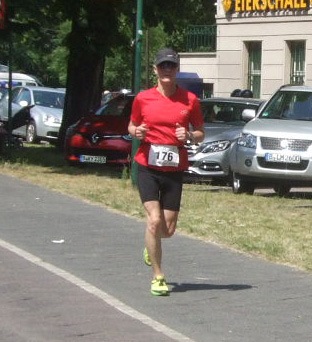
[(197, 135), (137, 131)]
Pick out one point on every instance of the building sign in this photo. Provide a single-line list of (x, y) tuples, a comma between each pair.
[(265, 5)]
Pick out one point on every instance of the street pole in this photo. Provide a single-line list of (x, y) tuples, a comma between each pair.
[(137, 83), (10, 92), (5, 24)]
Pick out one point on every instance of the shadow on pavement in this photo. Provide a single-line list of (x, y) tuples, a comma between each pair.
[(184, 287)]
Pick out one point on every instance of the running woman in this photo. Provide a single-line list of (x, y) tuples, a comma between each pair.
[(163, 118)]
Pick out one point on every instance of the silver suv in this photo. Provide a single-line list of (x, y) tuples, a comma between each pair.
[(275, 148)]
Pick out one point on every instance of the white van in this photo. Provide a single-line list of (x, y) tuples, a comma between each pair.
[(18, 79)]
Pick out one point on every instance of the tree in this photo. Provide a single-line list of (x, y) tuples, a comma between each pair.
[(97, 28), (57, 59), (95, 31), (99, 31), (32, 28)]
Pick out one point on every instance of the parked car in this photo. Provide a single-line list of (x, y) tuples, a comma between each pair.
[(19, 79), (223, 123), (275, 147), (46, 112), (102, 137)]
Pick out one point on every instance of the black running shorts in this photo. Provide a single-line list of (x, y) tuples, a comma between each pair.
[(165, 187)]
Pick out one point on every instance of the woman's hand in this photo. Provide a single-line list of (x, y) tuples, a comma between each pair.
[(181, 133), (140, 131)]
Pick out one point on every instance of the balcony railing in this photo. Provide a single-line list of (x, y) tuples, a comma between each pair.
[(201, 38)]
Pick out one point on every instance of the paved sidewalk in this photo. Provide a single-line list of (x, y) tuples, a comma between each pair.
[(217, 294), (37, 306)]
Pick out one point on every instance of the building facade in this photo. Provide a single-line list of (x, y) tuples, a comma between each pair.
[(261, 45)]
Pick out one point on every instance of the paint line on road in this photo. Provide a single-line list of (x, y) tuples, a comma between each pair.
[(112, 301)]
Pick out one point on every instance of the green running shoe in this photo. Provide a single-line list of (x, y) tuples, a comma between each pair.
[(159, 286), (146, 258)]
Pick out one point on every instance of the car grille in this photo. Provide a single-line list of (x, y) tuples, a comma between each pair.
[(292, 144), (96, 138), (283, 166)]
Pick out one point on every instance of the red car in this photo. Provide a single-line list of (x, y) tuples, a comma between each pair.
[(102, 137)]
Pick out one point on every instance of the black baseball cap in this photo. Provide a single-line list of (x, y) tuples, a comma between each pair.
[(166, 55)]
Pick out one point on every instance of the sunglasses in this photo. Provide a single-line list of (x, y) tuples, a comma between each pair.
[(167, 65)]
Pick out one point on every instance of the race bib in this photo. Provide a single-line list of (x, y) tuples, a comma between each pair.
[(163, 155)]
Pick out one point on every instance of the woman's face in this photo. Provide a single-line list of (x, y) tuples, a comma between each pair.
[(166, 72)]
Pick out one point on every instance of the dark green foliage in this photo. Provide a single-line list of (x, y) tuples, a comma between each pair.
[(66, 43)]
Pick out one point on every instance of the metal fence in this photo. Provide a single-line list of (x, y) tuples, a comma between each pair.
[(201, 38)]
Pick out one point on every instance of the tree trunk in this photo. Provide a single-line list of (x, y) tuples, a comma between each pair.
[(84, 86)]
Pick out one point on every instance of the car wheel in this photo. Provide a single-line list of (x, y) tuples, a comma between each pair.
[(240, 186), (31, 133), (282, 190)]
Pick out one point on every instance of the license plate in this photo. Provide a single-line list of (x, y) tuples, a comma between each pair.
[(92, 159), (282, 158)]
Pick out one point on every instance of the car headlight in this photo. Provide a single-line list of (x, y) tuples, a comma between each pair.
[(70, 130), (215, 146), (51, 119), (247, 140)]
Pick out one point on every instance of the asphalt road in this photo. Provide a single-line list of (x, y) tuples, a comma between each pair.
[(72, 271)]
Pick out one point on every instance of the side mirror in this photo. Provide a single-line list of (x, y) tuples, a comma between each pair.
[(248, 114), (23, 103)]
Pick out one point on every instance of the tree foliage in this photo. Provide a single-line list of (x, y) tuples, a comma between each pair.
[(33, 29), (84, 38)]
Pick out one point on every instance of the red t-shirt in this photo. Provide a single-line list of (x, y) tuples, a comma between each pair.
[(161, 114)]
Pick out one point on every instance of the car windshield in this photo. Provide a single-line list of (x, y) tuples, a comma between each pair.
[(49, 99), (225, 113), (289, 105), (119, 106)]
